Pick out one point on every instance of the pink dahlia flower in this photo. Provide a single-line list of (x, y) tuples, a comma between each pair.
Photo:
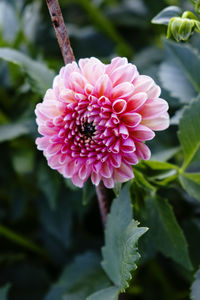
[(96, 118)]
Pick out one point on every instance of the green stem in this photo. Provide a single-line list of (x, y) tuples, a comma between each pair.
[(22, 241)]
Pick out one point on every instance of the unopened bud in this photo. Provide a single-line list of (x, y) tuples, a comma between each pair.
[(181, 28)]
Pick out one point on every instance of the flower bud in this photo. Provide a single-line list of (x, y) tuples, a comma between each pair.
[(181, 28)]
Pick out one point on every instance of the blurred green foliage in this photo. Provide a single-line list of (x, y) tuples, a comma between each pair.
[(49, 227)]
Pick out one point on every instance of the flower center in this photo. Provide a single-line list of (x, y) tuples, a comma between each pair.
[(87, 129)]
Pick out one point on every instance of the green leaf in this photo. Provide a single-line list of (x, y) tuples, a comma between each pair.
[(110, 293), (40, 77), (189, 131), (142, 182), (117, 188), (4, 292), (180, 74), (188, 60), (175, 81), (191, 183), (14, 130), (121, 236), (195, 288), (158, 165), (165, 234), (166, 14), (80, 279)]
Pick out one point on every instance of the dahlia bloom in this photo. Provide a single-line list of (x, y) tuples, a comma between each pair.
[(96, 118)]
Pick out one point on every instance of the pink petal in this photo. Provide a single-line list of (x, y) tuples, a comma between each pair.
[(92, 69), (109, 182), (115, 147), (48, 108), (97, 166), (50, 95), (84, 172), (136, 101), (53, 161), (83, 62), (105, 170), (44, 130), (154, 92), (143, 133), (95, 177), (130, 159), (131, 119), (42, 143), (115, 160), (115, 63), (123, 73), (69, 169), (123, 90), (41, 118), (68, 70), (154, 108), (123, 131), (63, 159), (142, 151), (128, 146), (103, 86), (119, 106), (124, 173), (67, 96), (77, 180), (103, 101), (77, 82), (53, 148), (143, 83), (157, 123)]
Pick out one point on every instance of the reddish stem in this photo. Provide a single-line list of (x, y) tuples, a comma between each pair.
[(61, 32), (104, 203)]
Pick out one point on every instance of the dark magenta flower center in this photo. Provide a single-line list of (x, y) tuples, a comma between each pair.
[(87, 129)]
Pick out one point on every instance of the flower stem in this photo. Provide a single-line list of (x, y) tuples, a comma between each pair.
[(103, 199), (60, 29)]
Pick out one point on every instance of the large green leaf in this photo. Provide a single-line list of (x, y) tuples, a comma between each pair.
[(4, 292), (121, 236), (195, 289), (110, 293), (165, 234), (189, 131), (80, 279), (166, 14), (191, 183), (39, 75), (180, 74)]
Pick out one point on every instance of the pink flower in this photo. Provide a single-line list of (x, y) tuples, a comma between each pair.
[(96, 118)]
